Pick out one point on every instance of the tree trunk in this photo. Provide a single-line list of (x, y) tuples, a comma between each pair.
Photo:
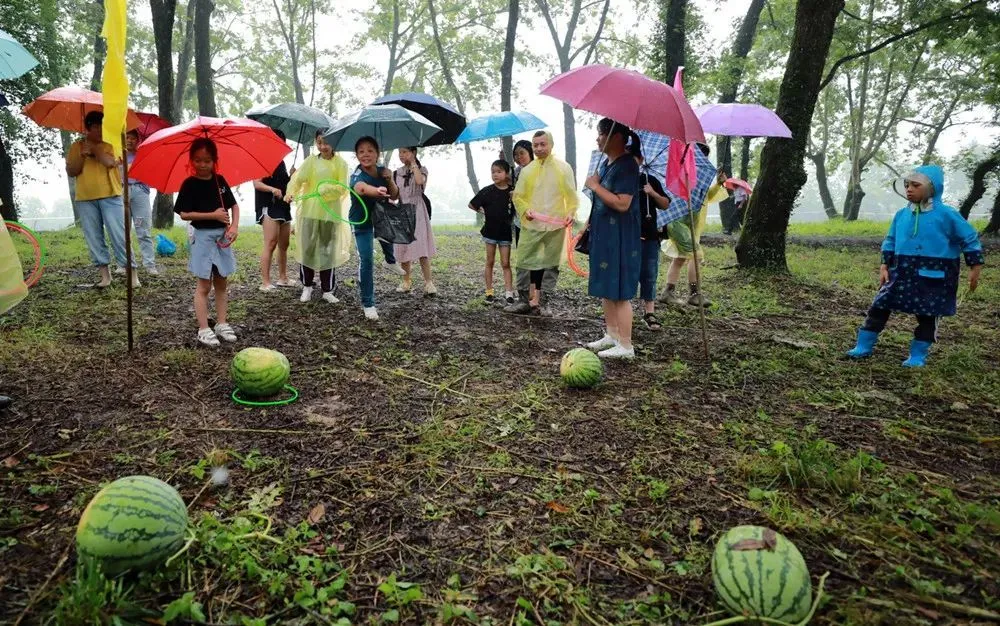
[(745, 160), (737, 60), (822, 180), (939, 128), (100, 49), (993, 228), (7, 207), (446, 70), (164, 14), (852, 201), (507, 71), (184, 61), (674, 37), (204, 74), (979, 183), (782, 173), (569, 128)]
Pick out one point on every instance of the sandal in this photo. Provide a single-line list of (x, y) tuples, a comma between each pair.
[(652, 323)]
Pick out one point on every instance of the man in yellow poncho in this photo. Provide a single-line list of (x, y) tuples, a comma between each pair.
[(546, 201), (323, 235), (12, 287), (681, 246)]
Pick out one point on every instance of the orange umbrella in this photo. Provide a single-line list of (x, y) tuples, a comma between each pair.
[(64, 109)]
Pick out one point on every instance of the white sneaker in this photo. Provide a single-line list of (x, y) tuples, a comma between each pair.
[(617, 352), (371, 313), (120, 271), (153, 270), (394, 268), (605, 342), (332, 299), (307, 293), (207, 338), (225, 331), (267, 288)]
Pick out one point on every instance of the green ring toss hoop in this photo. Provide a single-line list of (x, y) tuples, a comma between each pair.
[(37, 245), (326, 207), (238, 400)]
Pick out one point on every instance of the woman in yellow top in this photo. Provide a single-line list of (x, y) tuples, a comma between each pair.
[(92, 162), (546, 201), (323, 235)]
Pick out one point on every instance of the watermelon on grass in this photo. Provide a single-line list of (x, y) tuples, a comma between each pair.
[(580, 368), (259, 372), (758, 572), (134, 523)]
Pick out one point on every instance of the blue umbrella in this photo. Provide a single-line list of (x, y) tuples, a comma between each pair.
[(499, 125), (447, 117), (14, 59), (298, 121), (391, 125)]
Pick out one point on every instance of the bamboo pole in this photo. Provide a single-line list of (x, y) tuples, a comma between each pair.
[(695, 247), (129, 271)]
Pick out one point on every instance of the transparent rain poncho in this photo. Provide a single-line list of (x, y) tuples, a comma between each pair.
[(12, 287), (546, 188), (323, 236)]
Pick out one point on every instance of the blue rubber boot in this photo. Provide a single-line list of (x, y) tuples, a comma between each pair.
[(866, 344), (918, 353)]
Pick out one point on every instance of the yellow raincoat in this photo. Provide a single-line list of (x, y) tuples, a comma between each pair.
[(12, 287), (546, 187), (716, 193), (323, 241)]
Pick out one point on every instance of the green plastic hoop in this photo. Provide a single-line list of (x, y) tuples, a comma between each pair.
[(254, 403), (326, 207)]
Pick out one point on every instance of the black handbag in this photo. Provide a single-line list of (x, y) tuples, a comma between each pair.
[(583, 242), (394, 223)]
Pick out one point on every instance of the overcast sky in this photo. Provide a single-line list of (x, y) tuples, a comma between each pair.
[(448, 181)]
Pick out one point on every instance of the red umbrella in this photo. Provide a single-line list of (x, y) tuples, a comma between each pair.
[(733, 183), (64, 109), (627, 97), (151, 123), (247, 150)]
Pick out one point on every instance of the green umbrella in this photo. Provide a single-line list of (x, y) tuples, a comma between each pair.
[(391, 125), (298, 121)]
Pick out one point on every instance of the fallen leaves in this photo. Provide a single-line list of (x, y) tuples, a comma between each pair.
[(316, 514), (557, 507)]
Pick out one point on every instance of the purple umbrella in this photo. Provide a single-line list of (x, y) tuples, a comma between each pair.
[(741, 120)]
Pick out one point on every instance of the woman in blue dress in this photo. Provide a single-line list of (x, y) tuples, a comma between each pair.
[(615, 246)]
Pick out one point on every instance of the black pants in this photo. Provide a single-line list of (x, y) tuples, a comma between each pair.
[(926, 329), (728, 215), (517, 234), (327, 278), (536, 277), (388, 251)]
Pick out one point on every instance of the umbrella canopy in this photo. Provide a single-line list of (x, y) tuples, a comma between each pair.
[(14, 59), (298, 121), (499, 125), (150, 123), (742, 120), (440, 113), (627, 97), (64, 109), (391, 125), (733, 183), (247, 150)]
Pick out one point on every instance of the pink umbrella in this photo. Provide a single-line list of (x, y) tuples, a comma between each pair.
[(742, 120), (627, 97), (247, 150), (733, 183)]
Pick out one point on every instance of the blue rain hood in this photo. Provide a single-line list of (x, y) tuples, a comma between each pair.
[(936, 176)]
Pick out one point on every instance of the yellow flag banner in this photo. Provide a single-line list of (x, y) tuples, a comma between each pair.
[(115, 81)]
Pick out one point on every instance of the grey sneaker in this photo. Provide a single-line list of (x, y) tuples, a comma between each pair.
[(697, 299), (521, 308), (674, 298), (545, 311)]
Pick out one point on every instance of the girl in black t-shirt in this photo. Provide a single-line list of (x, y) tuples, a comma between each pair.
[(206, 200), (495, 205), (275, 216)]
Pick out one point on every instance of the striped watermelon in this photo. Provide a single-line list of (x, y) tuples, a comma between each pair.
[(758, 572), (133, 523), (581, 368), (259, 372)]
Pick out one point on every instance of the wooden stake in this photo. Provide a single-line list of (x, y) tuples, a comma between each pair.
[(128, 244), (695, 246)]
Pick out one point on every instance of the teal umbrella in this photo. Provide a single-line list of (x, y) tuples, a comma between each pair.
[(391, 125), (14, 59), (298, 121)]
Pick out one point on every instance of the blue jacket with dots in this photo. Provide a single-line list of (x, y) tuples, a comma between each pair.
[(923, 250)]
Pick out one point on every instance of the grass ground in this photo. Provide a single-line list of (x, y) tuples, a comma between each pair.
[(435, 471)]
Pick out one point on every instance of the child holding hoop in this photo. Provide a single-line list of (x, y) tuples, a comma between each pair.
[(323, 234), (205, 200)]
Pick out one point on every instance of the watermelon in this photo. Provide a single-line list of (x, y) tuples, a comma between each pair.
[(581, 368), (136, 522), (759, 573), (259, 372)]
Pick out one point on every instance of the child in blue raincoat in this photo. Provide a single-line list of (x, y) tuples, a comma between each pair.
[(921, 262)]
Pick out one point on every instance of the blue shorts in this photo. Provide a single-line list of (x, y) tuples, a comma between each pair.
[(496, 242)]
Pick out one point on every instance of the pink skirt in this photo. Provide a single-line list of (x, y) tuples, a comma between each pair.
[(423, 244)]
